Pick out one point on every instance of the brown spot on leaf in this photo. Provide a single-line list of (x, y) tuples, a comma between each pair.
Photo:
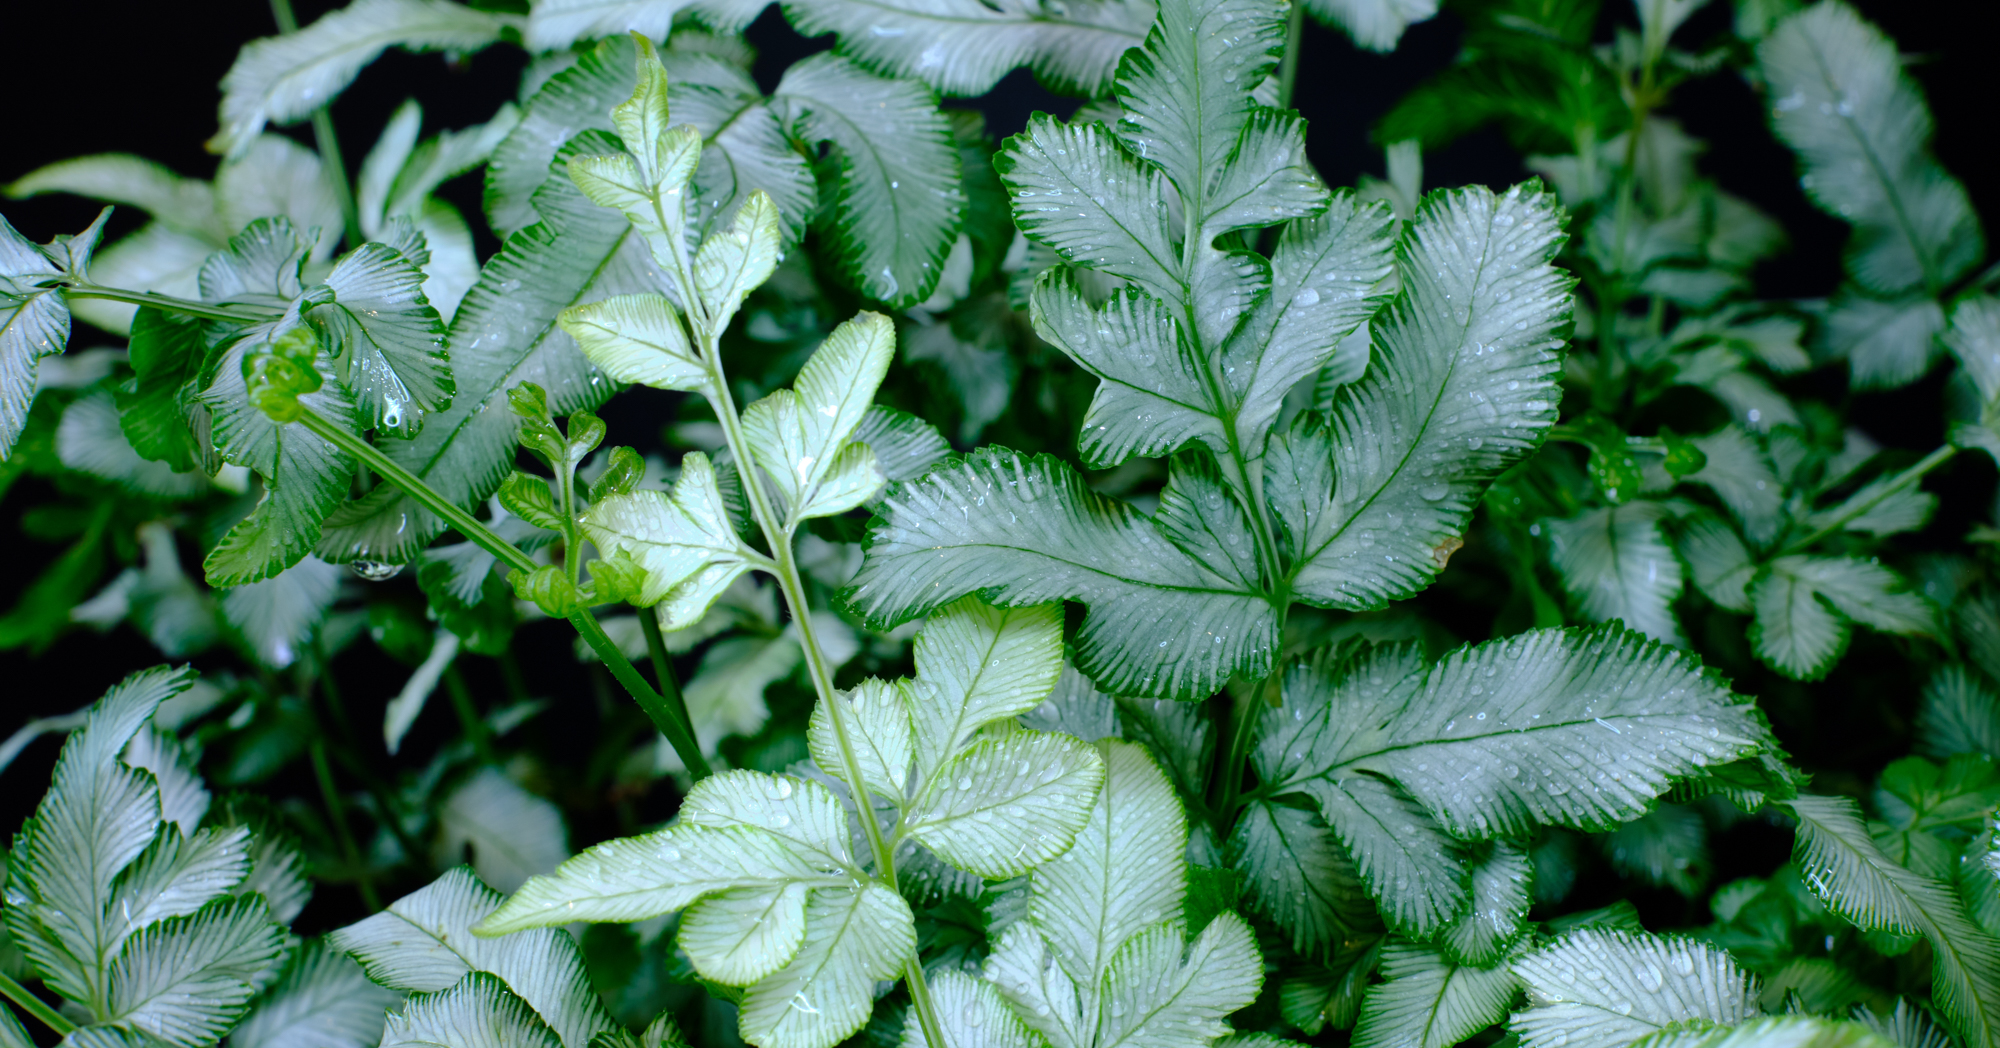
[(1442, 553)]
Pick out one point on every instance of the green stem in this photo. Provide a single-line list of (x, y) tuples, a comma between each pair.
[(789, 582), (35, 1006), (1903, 480), (1288, 66), (341, 831), (1248, 708), (656, 647), (189, 307), (671, 717), (468, 715), (329, 144)]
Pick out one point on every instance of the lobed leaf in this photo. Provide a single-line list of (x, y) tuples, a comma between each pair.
[(1599, 989), (1005, 806), (1427, 1000), (280, 79), (685, 542), (1462, 386), (854, 936), (424, 943), (1026, 531), (962, 47)]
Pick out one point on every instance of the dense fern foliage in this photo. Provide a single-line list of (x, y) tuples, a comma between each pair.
[(1103, 587)]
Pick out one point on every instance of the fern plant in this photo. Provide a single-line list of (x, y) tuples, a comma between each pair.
[(1145, 741)]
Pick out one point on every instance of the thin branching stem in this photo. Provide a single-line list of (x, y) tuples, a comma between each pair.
[(187, 307), (779, 537), (668, 713)]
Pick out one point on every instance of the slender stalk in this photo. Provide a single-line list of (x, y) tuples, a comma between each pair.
[(789, 582), (341, 831), (189, 307), (669, 714), (37, 1007), (1248, 709), (1903, 480), (671, 718), (1288, 66), (329, 143), (468, 715), (656, 647)]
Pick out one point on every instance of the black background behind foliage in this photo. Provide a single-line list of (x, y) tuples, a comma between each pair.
[(140, 78)]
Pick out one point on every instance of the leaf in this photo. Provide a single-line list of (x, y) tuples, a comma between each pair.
[(424, 943), (386, 341), (1875, 510), (1718, 562), (1429, 1001), (166, 353), (98, 817), (961, 47), (184, 204), (1076, 190), (1803, 606), (478, 1011), (1315, 998), (1178, 733), (175, 876), (1666, 846), (978, 664), (1606, 988), (321, 1000), (1616, 563), (894, 211), (1151, 397), (805, 815), (1566, 727), (800, 437), (1374, 24), (1007, 805), (262, 265), (1841, 100), (280, 79), (556, 24), (876, 714), (1163, 992), (1298, 875), (739, 936), (905, 446), (90, 440), (854, 936), (183, 798), (1789, 1031), (744, 146), (622, 880), (1959, 715), (403, 710), (1501, 889), (1185, 93), (504, 334), (34, 323), (1462, 386), (685, 542), (1123, 874), (1025, 531), (513, 834), (277, 615), (731, 264), (1844, 868), (187, 979), (1740, 473), (980, 1018)]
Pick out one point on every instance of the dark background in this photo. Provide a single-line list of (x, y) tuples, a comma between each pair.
[(140, 78)]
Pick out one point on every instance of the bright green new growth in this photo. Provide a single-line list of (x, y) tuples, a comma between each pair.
[(779, 895)]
